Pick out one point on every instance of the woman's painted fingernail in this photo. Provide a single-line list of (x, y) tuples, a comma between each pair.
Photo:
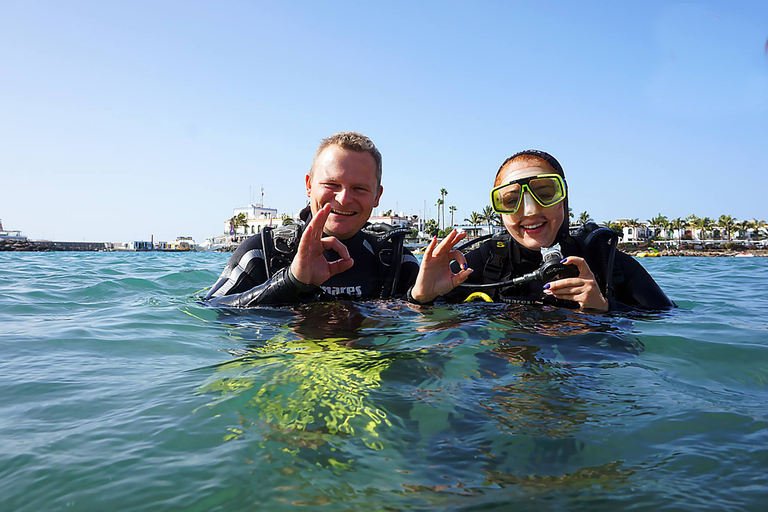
[(563, 260), (464, 266), (546, 286)]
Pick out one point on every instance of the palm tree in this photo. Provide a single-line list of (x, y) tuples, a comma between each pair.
[(703, 223), (570, 212), (678, 224), (615, 226), (760, 225), (659, 221), (584, 218), (443, 193), (489, 216), (691, 221), (474, 219), (452, 209), (431, 228), (241, 219), (745, 226), (439, 204), (727, 222)]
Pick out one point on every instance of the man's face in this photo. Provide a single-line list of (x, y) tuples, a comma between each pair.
[(532, 225), (347, 180)]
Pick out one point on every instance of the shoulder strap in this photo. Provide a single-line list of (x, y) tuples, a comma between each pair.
[(382, 233), (599, 245), (497, 259)]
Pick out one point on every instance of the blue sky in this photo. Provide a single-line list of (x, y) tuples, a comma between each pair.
[(122, 120)]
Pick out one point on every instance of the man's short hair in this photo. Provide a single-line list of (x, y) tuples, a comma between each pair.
[(352, 141)]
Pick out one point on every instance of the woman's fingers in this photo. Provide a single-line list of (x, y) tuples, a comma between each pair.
[(581, 264), (428, 252), (461, 277), (458, 256)]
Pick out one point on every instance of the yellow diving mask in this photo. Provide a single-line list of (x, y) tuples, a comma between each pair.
[(546, 189)]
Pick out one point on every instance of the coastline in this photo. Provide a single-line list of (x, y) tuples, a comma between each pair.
[(24, 245), (706, 253)]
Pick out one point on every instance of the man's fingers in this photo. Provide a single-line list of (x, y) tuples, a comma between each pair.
[(333, 243), (339, 266), (306, 239), (318, 222)]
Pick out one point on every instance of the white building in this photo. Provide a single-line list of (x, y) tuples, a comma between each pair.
[(480, 229), (639, 233), (398, 221), (257, 217)]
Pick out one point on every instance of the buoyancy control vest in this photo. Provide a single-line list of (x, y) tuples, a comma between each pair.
[(596, 244), (280, 245)]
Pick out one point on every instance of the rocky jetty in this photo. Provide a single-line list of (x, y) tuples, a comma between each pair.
[(25, 245)]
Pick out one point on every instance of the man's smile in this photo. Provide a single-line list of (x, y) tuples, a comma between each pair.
[(339, 212)]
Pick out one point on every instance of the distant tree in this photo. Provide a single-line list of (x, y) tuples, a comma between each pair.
[(678, 224), (615, 226), (658, 222), (570, 212), (432, 229), (744, 226), (439, 205), (761, 227), (474, 219), (703, 224), (584, 218), (387, 213), (239, 220), (491, 217), (452, 209), (727, 222), (443, 193)]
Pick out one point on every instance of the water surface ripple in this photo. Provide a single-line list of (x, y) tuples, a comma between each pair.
[(121, 391)]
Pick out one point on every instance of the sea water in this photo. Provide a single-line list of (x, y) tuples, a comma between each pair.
[(120, 391)]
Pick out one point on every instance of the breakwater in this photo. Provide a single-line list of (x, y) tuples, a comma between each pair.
[(709, 253), (22, 244)]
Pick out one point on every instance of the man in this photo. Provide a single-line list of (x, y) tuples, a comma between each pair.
[(338, 255)]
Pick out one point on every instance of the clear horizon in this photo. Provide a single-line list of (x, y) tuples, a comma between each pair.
[(125, 121)]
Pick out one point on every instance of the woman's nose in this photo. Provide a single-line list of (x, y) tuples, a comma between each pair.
[(530, 206)]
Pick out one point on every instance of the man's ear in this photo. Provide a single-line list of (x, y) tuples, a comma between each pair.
[(378, 197), (308, 183)]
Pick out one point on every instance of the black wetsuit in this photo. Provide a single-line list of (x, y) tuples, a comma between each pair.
[(244, 282), (632, 287)]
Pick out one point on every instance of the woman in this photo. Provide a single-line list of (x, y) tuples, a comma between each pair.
[(531, 194)]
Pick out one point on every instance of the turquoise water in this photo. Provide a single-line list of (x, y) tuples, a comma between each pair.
[(120, 392)]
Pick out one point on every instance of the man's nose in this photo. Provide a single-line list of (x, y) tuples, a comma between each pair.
[(342, 195)]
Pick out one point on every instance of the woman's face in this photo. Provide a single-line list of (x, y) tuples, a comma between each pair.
[(532, 225)]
